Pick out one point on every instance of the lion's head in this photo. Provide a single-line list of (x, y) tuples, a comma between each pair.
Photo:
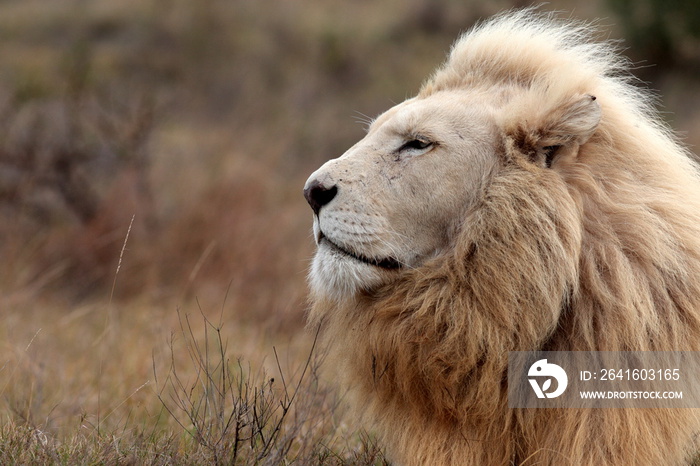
[(528, 198), (399, 196), (404, 193)]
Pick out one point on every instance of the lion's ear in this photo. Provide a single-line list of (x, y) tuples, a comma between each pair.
[(549, 132), (575, 121)]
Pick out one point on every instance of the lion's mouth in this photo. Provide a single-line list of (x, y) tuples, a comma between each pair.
[(385, 263)]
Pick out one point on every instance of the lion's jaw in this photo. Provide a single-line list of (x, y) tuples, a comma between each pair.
[(397, 197)]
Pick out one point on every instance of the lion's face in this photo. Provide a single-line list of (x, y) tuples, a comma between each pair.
[(398, 197)]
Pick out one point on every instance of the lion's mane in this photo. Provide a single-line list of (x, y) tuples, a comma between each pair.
[(604, 256)]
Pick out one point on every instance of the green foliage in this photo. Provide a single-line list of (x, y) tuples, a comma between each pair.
[(659, 29)]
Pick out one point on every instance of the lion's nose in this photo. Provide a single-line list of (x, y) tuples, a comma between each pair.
[(318, 194)]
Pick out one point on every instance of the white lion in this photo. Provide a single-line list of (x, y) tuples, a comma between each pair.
[(528, 198)]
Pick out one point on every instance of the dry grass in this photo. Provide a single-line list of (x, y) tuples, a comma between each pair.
[(129, 384), (200, 121)]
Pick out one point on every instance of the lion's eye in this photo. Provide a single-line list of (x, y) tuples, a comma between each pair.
[(418, 144)]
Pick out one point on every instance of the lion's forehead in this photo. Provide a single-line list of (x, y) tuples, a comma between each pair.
[(435, 114)]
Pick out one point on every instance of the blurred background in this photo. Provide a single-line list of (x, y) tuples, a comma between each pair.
[(153, 154)]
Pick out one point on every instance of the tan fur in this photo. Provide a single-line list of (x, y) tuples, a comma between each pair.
[(599, 252)]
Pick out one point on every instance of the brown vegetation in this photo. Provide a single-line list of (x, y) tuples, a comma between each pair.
[(199, 122)]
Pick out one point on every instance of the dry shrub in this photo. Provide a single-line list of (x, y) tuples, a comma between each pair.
[(235, 415)]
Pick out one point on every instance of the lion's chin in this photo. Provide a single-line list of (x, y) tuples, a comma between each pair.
[(338, 275), (388, 263)]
